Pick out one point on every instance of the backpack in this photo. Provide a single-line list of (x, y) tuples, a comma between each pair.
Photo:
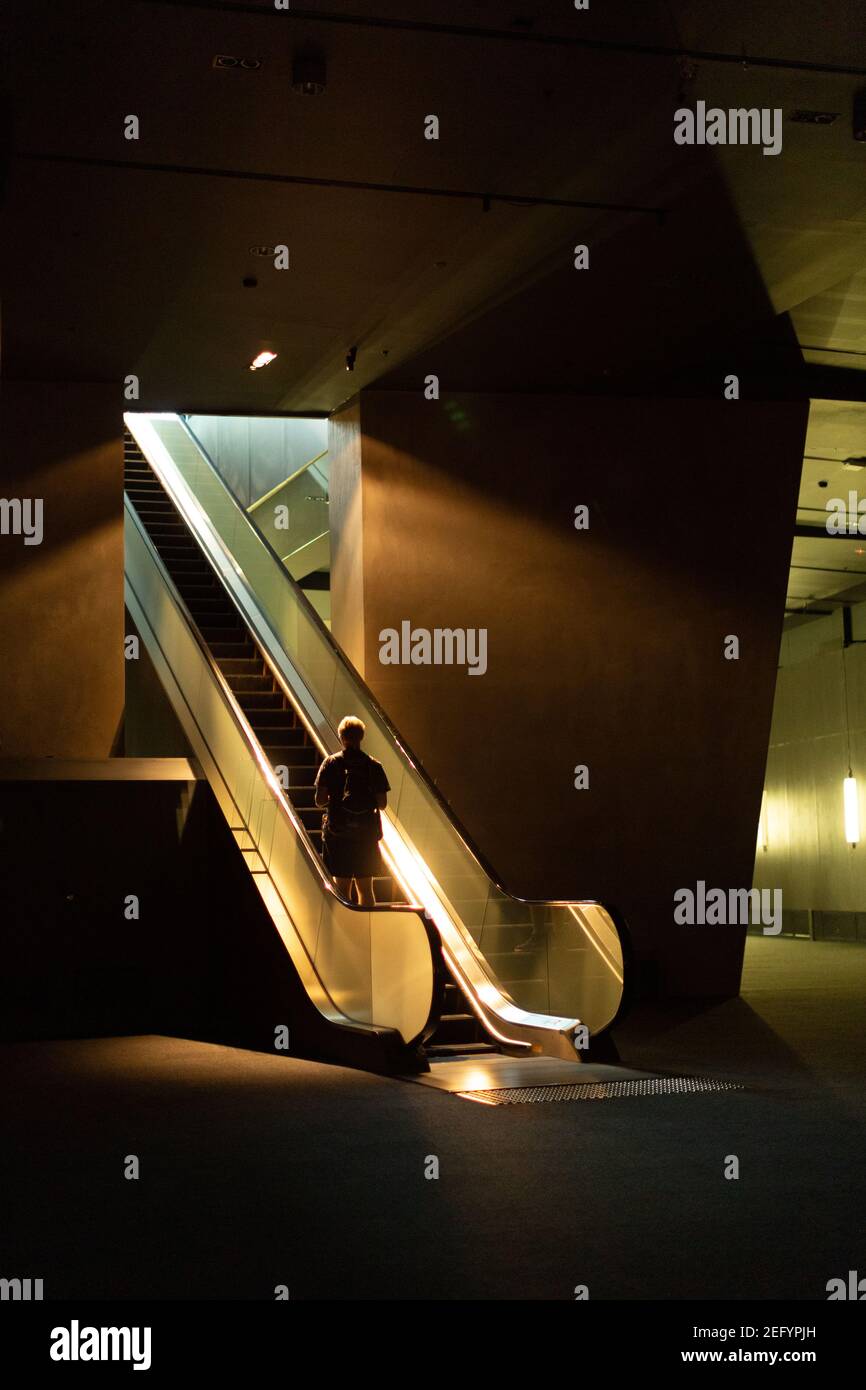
[(356, 812)]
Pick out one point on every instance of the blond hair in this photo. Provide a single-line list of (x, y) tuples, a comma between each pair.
[(352, 729)]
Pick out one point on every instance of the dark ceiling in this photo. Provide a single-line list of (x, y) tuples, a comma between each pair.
[(128, 256)]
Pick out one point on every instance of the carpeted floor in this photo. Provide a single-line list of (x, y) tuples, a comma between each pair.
[(257, 1171)]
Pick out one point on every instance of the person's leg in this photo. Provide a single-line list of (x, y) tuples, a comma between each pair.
[(365, 891), (344, 888)]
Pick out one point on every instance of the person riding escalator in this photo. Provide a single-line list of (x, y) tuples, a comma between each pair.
[(353, 790)]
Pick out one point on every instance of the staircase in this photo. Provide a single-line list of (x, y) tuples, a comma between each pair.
[(274, 720)]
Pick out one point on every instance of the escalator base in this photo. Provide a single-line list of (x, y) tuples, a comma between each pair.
[(599, 1090)]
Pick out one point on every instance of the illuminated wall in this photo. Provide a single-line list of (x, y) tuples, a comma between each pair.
[(61, 601), (807, 855), (255, 453), (605, 647)]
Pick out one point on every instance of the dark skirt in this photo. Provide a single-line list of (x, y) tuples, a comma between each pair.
[(352, 856)]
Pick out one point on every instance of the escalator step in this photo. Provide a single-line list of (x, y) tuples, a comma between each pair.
[(242, 685), (282, 719), (288, 756), (231, 651), (241, 665), (268, 700), (222, 629)]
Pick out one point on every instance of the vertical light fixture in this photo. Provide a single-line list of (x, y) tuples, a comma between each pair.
[(852, 809), (850, 796), (763, 839)]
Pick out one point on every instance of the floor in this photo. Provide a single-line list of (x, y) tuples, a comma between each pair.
[(257, 1171)]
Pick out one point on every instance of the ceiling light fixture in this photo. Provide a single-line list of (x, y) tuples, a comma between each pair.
[(262, 360), (227, 61), (852, 809), (814, 117)]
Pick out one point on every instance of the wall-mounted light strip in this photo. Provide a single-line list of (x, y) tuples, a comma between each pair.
[(851, 802)]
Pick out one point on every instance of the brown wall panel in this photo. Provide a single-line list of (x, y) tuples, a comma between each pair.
[(605, 646), (347, 530), (61, 602)]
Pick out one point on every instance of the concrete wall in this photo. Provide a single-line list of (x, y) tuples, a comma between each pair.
[(61, 602), (807, 855), (605, 646), (347, 530)]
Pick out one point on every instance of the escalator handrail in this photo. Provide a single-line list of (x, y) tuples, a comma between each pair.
[(418, 767), (228, 698), (278, 487)]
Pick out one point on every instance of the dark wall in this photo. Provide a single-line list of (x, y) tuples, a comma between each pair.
[(70, 853), (203, 960), (61, 602), (605, 646), (151, 729)]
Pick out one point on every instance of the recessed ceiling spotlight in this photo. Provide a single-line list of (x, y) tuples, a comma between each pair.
[(803, 117), (265, 252), (228, 61), (262, 360)]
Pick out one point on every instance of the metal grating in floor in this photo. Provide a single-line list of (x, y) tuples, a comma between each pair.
[(600, 1090)]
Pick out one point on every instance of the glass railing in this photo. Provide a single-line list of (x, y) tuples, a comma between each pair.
[(369, 968), (559, 963)]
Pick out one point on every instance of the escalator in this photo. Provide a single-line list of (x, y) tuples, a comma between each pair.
[(199, 575)]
